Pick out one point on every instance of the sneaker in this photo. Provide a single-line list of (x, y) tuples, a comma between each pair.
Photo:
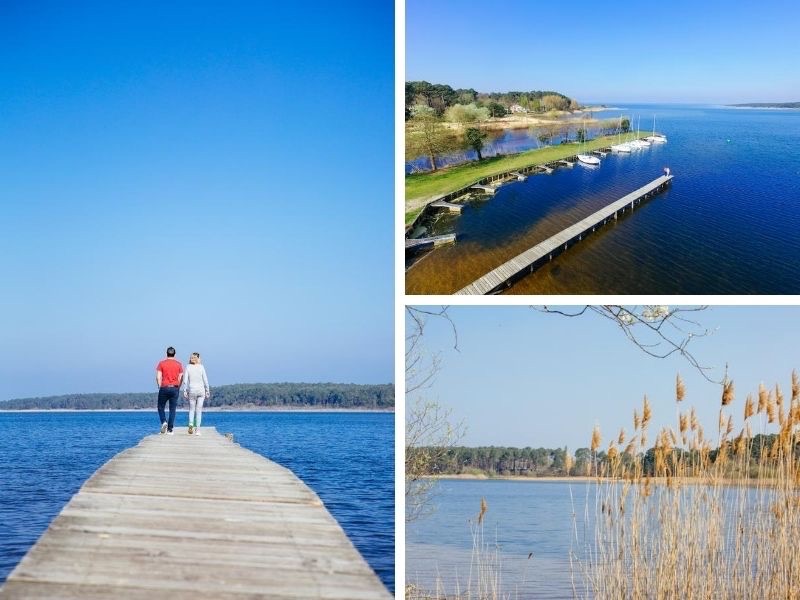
[(170, 432), (163, 428), (191, 429), (197, 431)]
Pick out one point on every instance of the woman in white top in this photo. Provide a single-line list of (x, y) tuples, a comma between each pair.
[(196, 391)]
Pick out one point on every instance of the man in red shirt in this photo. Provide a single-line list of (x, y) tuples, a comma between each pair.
[(169, 374)]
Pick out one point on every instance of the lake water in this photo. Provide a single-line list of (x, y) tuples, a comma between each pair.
[(346, 458), (726, 226), (523, 517)]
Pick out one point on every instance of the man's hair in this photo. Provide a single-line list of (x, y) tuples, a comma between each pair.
[(170, 351)]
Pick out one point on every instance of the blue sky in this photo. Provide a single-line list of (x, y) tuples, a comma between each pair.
[(215, 176), (522, 378), (681, 51)]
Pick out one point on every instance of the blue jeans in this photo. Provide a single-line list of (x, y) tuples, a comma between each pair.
[(165, 394)]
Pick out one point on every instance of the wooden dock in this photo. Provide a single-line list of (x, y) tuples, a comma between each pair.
[(436, 240), (193, 517), (486, 189), (449, 206), (531, 259)]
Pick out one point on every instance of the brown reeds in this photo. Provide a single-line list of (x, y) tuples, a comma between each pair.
[(727, 392), (680, 389), (688, 520), (595, 438)]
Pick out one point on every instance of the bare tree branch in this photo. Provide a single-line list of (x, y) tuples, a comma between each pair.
[(659, 331)]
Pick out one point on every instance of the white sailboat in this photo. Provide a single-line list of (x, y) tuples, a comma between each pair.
[(587, 158), (621, 146), (658, 138), (639, 143)]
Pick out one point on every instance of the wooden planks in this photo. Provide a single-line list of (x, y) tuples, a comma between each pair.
[(437, 240), (525, 261), (447, 205), (193, 517)]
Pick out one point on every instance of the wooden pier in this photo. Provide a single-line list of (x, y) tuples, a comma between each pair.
[(531, 259), (487, 189), (447, 206), (193, 517), (422, 243)]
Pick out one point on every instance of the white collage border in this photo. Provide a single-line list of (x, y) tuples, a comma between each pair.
[(401, 299)]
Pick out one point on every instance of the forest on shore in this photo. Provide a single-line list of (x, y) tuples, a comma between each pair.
[(500, 461), (240, 395), (439, 97)]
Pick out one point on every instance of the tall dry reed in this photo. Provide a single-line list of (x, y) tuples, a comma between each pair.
[(483, 580), (687, 520)]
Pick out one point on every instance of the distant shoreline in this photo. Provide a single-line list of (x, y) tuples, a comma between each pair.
[(755, 482), (546, 479), (774, 105), (205, 410)]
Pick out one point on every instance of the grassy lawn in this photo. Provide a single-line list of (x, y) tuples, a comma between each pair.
[(421, 186)]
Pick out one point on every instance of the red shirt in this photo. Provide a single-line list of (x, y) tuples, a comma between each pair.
[(171, 371)]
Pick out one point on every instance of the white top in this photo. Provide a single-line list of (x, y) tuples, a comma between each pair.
[(194, 377)]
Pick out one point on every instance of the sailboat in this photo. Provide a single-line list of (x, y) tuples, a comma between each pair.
[(639, 143), (621, 146), (658, 138), (587, 158)]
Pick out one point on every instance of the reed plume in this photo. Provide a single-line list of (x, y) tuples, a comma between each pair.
[(727, 392), (595, 438), (698, 522), (680, 389), (482, 513), (647, 413), (763, 397), (749, 407)]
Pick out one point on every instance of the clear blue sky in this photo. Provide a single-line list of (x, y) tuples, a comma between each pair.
[(214, 176), (522, 378), (681, 51)]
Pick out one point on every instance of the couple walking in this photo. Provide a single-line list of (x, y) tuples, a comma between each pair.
[(170, 376)]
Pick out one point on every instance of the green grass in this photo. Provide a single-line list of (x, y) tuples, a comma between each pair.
[(444, 181)]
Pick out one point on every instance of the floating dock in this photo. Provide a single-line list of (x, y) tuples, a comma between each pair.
[(531, 259), (447, 206), (487, 189), (193, 517), (437, 240)]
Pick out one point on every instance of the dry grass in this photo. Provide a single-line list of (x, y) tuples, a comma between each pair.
[(696, 522), (483, 581)]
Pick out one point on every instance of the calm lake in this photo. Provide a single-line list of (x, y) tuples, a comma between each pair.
[(522, 517), (726, 226), (346, 458)]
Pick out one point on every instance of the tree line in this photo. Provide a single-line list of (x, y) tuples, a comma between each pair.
[(240, 395), (439, 97), (558, 462), (441, 120)]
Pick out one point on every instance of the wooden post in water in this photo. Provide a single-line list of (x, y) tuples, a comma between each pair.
[(189, 518)]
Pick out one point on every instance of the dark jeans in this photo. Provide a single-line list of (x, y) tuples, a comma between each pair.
[(168, 394)]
